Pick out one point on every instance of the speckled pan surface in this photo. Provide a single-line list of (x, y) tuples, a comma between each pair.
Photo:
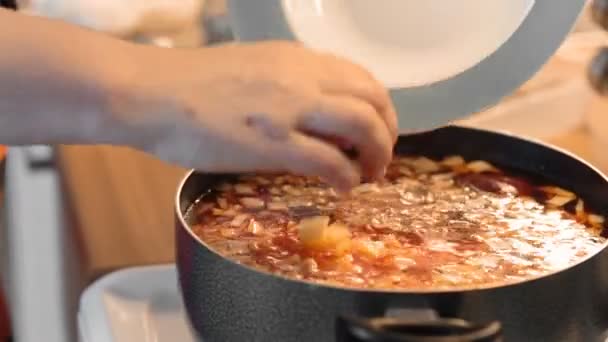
[(471, 91), (227, 302)]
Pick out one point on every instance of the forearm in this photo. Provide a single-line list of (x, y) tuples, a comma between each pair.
[(57, 81)]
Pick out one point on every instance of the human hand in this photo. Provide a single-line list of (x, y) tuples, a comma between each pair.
[(272, 106)]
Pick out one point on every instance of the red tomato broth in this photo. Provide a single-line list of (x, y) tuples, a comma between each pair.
[(428, 225)]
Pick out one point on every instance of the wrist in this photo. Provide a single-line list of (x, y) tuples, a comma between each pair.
[(119, 114), (147, 100)]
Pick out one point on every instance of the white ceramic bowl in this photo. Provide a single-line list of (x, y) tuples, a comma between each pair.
[(442, 59)]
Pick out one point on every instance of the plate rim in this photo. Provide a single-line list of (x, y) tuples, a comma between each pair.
[(474, 90)]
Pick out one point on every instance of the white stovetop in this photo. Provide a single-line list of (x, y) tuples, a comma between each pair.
[(139, 304)]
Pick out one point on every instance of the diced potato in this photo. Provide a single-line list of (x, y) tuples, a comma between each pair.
[(343, 246), (311, 231), (316, 233), (335, 234)]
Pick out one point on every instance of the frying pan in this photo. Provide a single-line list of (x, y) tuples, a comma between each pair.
[(227, 302)]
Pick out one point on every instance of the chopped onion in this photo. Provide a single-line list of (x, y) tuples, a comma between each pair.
[(404, 170), (229, 213), (309, 266), (453, 161), (403, 263), (559, 201), (291, 190), (557, 191), (277, 206), (262, 180), (479, 166), (254, 227), (228, 232), (595, 219), (244, 189), (365, 188), (424, 165), (252, 203), (224, 187), (580, 207), (222, 202), (238, 220), (373, 249)]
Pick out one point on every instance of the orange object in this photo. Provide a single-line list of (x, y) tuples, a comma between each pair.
[(5, 323)]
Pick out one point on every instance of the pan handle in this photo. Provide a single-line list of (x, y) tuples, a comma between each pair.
[(392, 329)]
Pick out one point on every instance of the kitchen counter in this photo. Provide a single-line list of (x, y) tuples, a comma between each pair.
[(122, 202)]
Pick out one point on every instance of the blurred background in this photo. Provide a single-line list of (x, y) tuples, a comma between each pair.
[(119, 201)]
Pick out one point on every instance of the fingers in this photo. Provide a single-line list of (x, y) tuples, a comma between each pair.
[(356, 123), (309, 156), (345, 78)]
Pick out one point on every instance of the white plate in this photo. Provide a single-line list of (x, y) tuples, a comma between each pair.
[(436, 91), (140, 304), (405, 43)]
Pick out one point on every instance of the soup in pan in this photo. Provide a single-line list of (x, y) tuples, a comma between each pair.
[(430, 224)]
